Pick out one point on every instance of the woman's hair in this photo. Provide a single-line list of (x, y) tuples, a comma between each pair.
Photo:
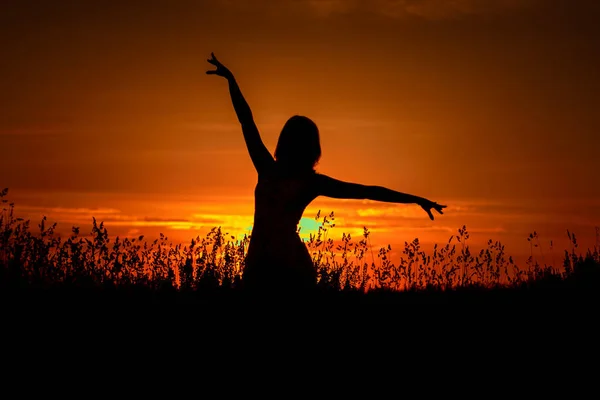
[(298, 148)]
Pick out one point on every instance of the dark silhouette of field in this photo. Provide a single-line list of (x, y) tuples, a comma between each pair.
[(41, 270)]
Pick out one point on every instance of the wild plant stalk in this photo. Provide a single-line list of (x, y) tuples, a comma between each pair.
[(217, 260)]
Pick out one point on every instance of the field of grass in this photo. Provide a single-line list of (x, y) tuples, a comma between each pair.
[(36, 263)]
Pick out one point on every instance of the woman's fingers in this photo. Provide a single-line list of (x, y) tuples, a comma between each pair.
[(437, 207), (440, 208), (213, 60), (428, 211), (221, 69)]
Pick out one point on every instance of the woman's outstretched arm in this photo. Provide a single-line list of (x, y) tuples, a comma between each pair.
[(261, 158), (330, 187)]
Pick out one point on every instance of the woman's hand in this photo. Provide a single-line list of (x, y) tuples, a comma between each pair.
[(427, 205), (221, 69)]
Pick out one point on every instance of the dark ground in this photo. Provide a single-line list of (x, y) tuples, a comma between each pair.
[(490, 338), (547, 301)]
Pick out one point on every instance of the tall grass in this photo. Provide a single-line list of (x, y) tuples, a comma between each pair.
[(38, 256)]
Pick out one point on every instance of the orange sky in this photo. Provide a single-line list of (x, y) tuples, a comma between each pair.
[(488, 106)]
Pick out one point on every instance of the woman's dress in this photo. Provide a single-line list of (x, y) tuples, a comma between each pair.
[(277, 258)]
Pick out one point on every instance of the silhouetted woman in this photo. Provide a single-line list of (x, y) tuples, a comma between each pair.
[(287, 183)]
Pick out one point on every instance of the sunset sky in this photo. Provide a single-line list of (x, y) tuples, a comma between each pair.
[(489, 106)]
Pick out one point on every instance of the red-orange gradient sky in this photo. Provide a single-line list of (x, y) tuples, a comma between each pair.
[(489, 106)]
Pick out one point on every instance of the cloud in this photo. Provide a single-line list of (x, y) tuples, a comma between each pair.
[(394, 211), (426, 9), (69, 212), (158, 219), (446, 9), (324, 8)]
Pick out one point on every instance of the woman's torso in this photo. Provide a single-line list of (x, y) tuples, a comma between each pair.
[(280, 201)]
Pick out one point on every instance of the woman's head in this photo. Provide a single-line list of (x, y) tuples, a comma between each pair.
[(298, 147)]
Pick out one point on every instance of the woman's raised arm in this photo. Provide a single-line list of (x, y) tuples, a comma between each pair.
[(260, 155)]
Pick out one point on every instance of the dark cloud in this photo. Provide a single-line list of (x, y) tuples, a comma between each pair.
[(427, 9)]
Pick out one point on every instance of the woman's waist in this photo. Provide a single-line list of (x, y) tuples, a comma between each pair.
[(269, 234), (275, 227), (279, 246)]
